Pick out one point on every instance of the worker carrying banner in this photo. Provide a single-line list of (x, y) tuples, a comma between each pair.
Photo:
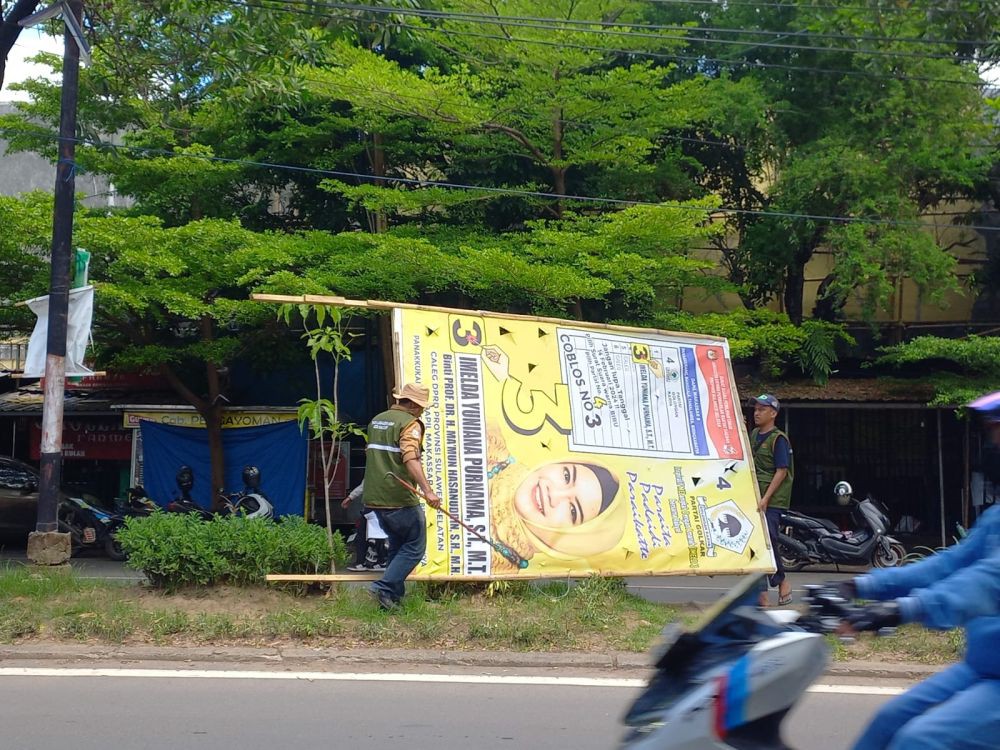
[(565, 449)]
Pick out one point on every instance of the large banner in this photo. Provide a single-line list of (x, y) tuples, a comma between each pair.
[(573, 449)]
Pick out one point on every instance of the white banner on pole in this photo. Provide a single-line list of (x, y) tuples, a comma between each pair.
[(81, 313)]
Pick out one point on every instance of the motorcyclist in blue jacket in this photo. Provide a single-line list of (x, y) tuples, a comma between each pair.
[(959, 707)]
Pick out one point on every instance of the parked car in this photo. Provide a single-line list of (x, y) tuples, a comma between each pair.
[(18, 498), (89, 526)]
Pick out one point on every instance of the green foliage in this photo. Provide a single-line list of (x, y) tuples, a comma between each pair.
[(178, 549), (979, 354), (769, 338), (25, 231), (324, 330), (975, 361), (172, 550), (819, 349)]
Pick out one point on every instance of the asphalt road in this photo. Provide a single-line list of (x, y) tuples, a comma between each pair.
[(90, 712)]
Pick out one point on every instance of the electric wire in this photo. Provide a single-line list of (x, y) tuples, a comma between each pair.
[(615, 28), (811, 6), (513, 192), (701, 59)]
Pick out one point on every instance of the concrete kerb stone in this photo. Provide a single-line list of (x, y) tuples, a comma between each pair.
[(300, 657)]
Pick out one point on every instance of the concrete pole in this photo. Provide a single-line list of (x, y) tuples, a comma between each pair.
[(46, 546)]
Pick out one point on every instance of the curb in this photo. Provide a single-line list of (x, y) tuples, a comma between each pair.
[(295, 656)]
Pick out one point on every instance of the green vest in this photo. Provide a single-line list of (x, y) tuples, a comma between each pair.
[(763, 459), (383, 455)]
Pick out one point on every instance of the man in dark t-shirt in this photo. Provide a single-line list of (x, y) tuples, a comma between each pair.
[(772, 457)]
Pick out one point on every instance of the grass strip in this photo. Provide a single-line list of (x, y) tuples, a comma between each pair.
[(597, 614)]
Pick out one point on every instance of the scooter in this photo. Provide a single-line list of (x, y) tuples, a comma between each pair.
[(728, 682), (90, 527), (804, 540), (251, 501)]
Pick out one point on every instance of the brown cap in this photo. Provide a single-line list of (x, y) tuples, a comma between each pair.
[(418, 394)]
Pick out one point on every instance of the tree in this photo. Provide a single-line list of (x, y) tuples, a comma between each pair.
[(567, 106), (963, 369), (25, 232), (176, 300), (325, 333), (864, 124)]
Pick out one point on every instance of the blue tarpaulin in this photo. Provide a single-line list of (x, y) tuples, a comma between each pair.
[(279, 450)]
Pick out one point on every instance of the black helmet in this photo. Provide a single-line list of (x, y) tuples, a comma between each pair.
[(251, 477), (185, 477)]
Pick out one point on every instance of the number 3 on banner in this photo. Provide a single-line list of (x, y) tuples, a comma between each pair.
[(541, 408)]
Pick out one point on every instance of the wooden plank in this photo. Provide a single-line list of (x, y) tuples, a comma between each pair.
[(320, 577), (317, 299), (22, 376)]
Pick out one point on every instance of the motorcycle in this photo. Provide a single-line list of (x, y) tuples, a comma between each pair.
[(804, 540), (90, 527), (137, 503), (185, 504), (250, 502), (728, 682)]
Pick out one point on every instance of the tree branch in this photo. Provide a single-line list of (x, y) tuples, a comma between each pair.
[(520, 137), (182, 390), (9, 30)]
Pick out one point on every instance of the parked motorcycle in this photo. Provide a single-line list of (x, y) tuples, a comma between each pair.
[(137, 503), (728, 682), (185, 503), (250, 502), (804, 540), (90, 527)]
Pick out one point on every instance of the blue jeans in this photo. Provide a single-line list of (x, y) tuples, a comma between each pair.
[(956, 709), (407, 533)]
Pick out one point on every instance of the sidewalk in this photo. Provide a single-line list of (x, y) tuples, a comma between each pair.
[(299, 657)]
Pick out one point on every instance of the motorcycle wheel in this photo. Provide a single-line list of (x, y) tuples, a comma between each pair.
[(891, 559), (113, 549), (789, 561)]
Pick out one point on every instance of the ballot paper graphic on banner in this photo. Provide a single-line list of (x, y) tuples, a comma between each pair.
[(78, 322), (580, 449)]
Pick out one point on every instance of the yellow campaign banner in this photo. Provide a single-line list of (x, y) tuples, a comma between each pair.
[(561, 449)]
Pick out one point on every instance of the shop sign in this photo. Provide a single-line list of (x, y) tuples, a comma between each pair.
[(230, 419), (88, 440)]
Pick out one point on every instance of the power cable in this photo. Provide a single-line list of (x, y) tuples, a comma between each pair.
[(614, 28), (515, 192), (812, 6), (634, 52)]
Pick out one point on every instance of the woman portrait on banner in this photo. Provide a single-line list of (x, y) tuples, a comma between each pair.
[(568, 510)]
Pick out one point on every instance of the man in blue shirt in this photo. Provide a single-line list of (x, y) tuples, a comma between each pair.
[(958, 708)]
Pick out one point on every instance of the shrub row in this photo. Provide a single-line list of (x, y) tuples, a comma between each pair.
[(179, 549)]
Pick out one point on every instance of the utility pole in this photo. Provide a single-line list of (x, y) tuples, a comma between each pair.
[(45, 545)]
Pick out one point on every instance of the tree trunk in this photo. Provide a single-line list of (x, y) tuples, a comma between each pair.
[(213, 429), (380, 221), (558, 172), (794, 288), (212, 415)]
